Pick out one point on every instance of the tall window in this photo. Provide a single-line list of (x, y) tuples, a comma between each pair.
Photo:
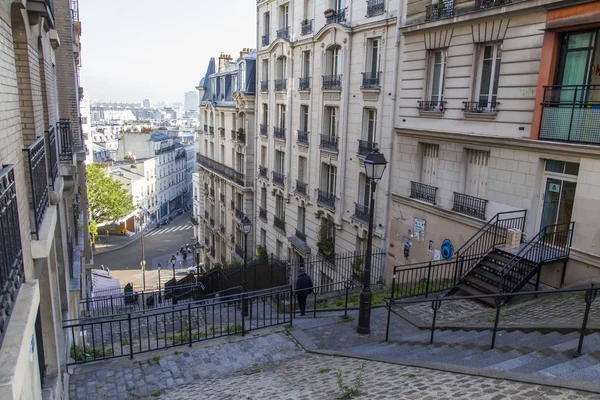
[(304, 118), (267, 24), (242, 72), (239, 162), (265, 114), (263, 237), (302, 169), (331, 121), (436, 77), (305, 64), (281, 116), (263, 156), (333, 61), (491, 55), (373, 55), (370, 124), (223, 153), (429, 162), (263, 198), (265, 70), (222, 88), (279, 161), (477, 172), (284, 12), (328, 178), (364, 190), (281, 67), (301, 219), (279, 207)]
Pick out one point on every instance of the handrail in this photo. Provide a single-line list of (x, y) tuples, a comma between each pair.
[(496, 217)]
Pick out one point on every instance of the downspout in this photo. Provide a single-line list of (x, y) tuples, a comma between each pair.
[(288, 126), (342, 157)]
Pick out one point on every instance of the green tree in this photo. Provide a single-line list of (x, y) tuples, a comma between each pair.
[(108, 199)]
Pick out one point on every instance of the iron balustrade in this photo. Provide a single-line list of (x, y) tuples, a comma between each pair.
[(375, 7), (38, 177), (303, 137), (220, 169), (52, 151), (279, 133), (569, 115), (280, 85), (480, 107), (301, 187), (279, 223), (265, 40), (12, 274), (361, 212), (326, 199), (222, 132), (370, 80), (469, 205), (420, 191), (278, 178), (211, 223), (332, 82), (304, 83), (365, 147), (262, 213), (263, 171), (264, 86), (241, 138), (485, 4), (283, 33), (431, 105), (264, 130), (306, 27), (65, 140), (440, 10), (301, 235), (337, 16), (329, 142)]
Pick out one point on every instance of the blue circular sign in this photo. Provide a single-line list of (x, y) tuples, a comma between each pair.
[(447, 249)]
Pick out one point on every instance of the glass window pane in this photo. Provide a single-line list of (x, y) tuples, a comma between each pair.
[(580, 40), (555, 166), (572, 168)]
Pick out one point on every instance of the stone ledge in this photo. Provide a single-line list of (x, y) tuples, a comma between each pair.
[(40, 248)]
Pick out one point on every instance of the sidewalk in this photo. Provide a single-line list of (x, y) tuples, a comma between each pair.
[(104, 244)]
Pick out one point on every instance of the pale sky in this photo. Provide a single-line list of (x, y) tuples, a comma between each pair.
[(158, 49)]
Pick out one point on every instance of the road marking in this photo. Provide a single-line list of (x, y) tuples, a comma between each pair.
[(174, 229)]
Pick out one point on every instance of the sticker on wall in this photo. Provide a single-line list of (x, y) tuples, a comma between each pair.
[(437, 255), (407, 245), (32, 348), (410, 233), (419, 229), (554, 187), (447, 249)]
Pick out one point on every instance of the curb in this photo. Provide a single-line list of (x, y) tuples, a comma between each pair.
[(119, 247)]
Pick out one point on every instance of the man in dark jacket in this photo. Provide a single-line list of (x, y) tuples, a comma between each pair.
[(304, 287)]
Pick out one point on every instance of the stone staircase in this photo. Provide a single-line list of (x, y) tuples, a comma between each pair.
[(549, 355)]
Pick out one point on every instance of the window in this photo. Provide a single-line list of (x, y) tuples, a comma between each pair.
[(429, 162), (304, 118), (263, 198), (279, 161), (562, 167), (333, 61), (364, 190), (222, 88), (234, 83), (278, 248), (266, 24), (477, 173), (331, 121), (305, 64), (370, 123), (373, 55), (436, 78), (263, 237), (239, 162), (233, 122), (279, 207), (302, 169), (263, 156), (284, 12), (265, 70), (489, 74), (328, 178), (281, 67), (223, 153), (301, 219), (265, 114), (281, 116)]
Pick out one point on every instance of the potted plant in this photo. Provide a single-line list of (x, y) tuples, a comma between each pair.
[(330, 12), (326, 246), (304, 21)]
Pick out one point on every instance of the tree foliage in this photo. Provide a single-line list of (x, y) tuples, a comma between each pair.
[(108, 199)]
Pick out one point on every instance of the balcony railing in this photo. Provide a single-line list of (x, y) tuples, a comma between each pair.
[(52, 152), (264, 129), (11, 257), (263, 172), (375, 7), (239, 214), (303, 137), (431, 105), (440, 10), (206, 216), (264, 86), (332, 82), (337, 16), (420, 191), (279, 133), (365, 147), (304, 83), (469, 205), (222, 132), (280, 85), (223, 170), (283, 33), (301, 187), (301, 235), (485, 4), (279, 223), (361, 213), (326, 199), (211, 130), (65, 140), (265, 40), (262, 213), (278, 178), (480, 107), (38, 176), (329, 142), (306, 27), (568, 114), (370, 80)]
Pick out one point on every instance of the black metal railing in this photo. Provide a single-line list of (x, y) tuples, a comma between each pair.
[(329, 142), (279, 223), (262, 213), (326, 199), (469, 205), (480, 107), (370, 80), (263, 171), (264, 86), (264, 129), (301, 187), (12, 274), (38, 177), (420, 191), (365, 147), (304, 83), (240, 137), (440, 10), (280, 85), (568, 114), (375, 7), (301, 235), (361, 213), (431, 105), (279, 133), (265, 40), (283, 33), (52, 152), (65, 140), (337, 16), (485, 4), (306, 27), (303, 137), (71, 252), (223, 170), (278, 178), (332, 82)]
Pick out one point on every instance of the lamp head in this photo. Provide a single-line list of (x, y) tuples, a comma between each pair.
[(246, 225), (375, 164)]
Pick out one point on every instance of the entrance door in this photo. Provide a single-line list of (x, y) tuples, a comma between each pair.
[(558, 207)]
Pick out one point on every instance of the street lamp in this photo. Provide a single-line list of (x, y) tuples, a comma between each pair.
[(246, 226), (173, 261), (375, 164), (198, 247), (158, 267), (143, 265)]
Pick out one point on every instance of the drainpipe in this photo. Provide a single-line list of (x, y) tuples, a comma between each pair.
[(344, 138), (288, 124)]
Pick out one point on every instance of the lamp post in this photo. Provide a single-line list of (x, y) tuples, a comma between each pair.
[(158, 266), (375, 164), (198, 247), (246, 226), (143, 265), (143, 262), (173, 260)]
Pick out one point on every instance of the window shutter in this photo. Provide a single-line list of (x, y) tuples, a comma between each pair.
[(429, 164)]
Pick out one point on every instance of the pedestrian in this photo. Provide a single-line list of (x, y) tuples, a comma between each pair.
[(304, 286)]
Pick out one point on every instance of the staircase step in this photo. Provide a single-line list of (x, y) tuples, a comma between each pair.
[(482, 285), (513, 363), (492, 266), (542, 363), (569, 367), (490, 357), (471, 291), (500, 257), (487, 274), (586, 374), (590, 343), (548, 340), (460, 353)]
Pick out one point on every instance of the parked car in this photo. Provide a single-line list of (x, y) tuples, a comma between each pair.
[(192, 269)]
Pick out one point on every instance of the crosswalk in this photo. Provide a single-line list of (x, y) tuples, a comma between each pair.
[(168, 229)]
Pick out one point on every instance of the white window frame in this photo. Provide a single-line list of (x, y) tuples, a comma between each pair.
[(439, 96), (372, 44), (370, 125), (490, 97), (281, 116), (331, 120)]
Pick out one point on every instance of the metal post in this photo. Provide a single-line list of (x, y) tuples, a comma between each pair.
[(347, 284), (143, 262), (428, 278), (245, 301), (159, 295), (435, 305), (572, 113), (243, 314), (364, 313), (499, 303), (130, 337), (190, 323), (387, 326), (590, 296), (292, 305)]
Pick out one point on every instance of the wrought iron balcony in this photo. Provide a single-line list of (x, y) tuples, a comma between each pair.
[(361, 213), (279, 133), (264, 129), (485, 4), (211, 130), (365, 147), (420, 191), (480, 107), (469, 205), (220, 169), (568, 114), (326, 199), (375, 7), (38, 176), (263, 172), (265, 40), (52, 151), (304, 83), (239, 214), (206, 216), (12, 274), (440, 10), (303, 137), (264, 86), (335, 16), (283, 33), (306, 27), (300, 235), (279, 223), (238, 136), (278, 178), (431, 105), (222, 229), (211, 222), (329, 142), (262, 213), (370, 80), (301, 187), (164, 150), (280, 85), (332, 82), (65, 140), (222, 132)]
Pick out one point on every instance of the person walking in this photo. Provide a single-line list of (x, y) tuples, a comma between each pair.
[(304, 287)]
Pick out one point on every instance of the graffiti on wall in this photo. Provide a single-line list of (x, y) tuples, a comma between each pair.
[(447, 249), (407, 245)]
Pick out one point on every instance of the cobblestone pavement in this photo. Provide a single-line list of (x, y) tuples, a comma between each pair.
[(458, 309), (313, 376)]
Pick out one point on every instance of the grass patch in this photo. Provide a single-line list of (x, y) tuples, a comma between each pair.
[(124, 342), (352, 390), (156, 359), (287, 326), (412, 376), (176, 353), (349, 319), (78, 353), (157, 393), (323, 370)]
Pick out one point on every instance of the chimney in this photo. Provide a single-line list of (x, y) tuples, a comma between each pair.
[(244, 53), (224, 62)]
